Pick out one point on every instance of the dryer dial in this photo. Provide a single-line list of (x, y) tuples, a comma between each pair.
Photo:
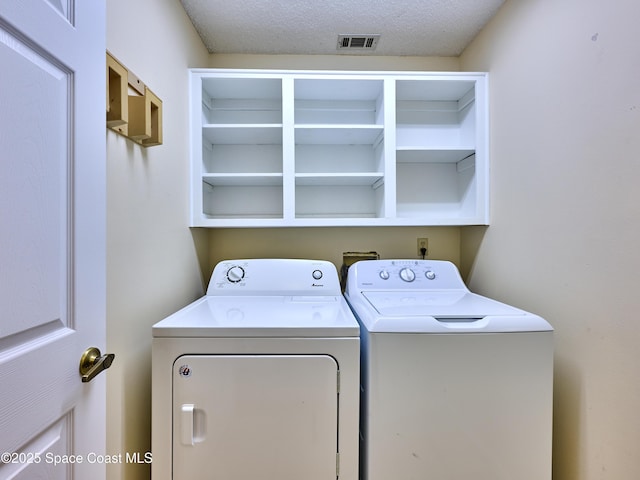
[(235, 274), (407, 275)]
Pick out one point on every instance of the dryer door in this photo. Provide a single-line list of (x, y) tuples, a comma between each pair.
[(237, 417)]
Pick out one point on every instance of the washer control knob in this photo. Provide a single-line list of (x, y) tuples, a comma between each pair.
[(384, 275), (407, 275), (430, 274), (235, 274), (317, 274)]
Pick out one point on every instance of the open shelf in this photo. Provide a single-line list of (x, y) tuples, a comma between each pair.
[(234, 134), (241, 158), (242, 201), (334, 101), (439, 189), (337, 201), (433, 155), (242, 179), (338, 134), (435, 114), (228, 100), (340, 179), (339, 158)]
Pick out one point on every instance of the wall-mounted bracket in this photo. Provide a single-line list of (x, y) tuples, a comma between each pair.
[(145, 119), (133, 110), (117, 105)]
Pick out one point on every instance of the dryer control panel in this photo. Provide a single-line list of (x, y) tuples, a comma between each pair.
[(274, 277), (404, 275)]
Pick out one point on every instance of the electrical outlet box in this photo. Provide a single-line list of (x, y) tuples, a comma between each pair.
[(423, 243)]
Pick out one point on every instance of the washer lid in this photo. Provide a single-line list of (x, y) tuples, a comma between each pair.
[(444, 311), (449, 304), (268, 316)]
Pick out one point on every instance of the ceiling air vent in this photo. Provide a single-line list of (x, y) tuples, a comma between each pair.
[(358, 42)]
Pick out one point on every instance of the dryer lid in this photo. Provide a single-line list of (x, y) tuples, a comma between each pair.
[(268, 316)]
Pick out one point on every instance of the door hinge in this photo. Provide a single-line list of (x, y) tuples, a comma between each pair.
[(337, 464)]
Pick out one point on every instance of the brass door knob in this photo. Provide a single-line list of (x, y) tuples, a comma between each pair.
[(92, 363)]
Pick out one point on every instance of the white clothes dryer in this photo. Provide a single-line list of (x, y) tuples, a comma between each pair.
[(259, 378), (454, 385)]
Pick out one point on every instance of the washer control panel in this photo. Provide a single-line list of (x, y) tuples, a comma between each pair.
[(404, 274), (274, 277)]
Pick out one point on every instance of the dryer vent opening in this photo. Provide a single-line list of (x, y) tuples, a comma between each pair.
[(358, 42)]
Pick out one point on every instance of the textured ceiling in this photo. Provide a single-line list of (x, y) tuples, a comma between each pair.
[(311, 27)]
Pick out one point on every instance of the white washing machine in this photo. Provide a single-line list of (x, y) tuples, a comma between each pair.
[(454, 385), (259, 379)]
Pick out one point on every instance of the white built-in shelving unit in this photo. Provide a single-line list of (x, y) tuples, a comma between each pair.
[(302, 148)]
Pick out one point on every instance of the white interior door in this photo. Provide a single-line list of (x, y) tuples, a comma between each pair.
[(52, 243), (269, 417)]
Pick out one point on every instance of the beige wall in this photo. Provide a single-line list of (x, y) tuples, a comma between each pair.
[(153, 267), (565, 113), (565, 225), (330, 243), (335, 62)]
